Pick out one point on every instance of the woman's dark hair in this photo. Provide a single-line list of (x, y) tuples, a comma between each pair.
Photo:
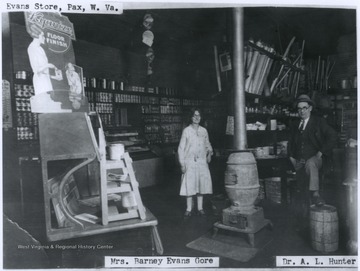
[(192, 112)]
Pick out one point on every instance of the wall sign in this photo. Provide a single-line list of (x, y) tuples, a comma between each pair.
[(58, 30), (7, 111), (225, 62), (58, 82)]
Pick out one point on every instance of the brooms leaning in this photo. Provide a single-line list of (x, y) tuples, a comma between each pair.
[(258, 61)]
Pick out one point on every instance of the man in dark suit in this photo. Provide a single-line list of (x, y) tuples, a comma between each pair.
[(311, 138)]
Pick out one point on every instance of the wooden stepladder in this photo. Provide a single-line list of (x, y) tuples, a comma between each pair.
[(84, 193), (119, 190)]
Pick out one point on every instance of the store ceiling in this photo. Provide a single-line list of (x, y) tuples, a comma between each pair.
[(193, 28)]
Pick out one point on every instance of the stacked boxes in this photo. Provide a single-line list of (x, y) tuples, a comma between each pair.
[(273, 189)]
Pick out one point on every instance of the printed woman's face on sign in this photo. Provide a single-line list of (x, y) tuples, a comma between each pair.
[(196, 117), (70, 67)]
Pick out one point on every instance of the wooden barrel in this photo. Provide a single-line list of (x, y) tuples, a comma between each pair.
[(324, 226), (351, 216)]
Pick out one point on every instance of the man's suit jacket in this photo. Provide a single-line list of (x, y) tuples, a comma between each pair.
[(320, 133)]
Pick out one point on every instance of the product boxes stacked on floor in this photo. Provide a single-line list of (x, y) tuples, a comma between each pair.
[(272, 189)]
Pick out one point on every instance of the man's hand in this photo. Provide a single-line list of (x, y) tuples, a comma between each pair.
[(183, 169)]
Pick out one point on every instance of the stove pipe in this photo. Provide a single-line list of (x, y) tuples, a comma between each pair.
[(240, 139), (241, 176)]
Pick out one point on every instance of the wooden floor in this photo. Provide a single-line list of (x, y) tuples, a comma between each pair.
[(289, 234)]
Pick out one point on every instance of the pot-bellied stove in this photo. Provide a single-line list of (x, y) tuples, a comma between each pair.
[(242, 187)]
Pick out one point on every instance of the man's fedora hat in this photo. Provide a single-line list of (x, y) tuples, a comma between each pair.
[(304, 98)]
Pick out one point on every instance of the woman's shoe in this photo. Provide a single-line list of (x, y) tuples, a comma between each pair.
[(201, 213), (187, 214)]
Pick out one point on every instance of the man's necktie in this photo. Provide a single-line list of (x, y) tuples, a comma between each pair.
[(301, 127)]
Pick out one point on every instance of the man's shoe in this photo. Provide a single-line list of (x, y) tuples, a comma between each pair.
[(318, 201)]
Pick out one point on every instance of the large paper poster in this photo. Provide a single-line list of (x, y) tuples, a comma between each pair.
[(57, 80)]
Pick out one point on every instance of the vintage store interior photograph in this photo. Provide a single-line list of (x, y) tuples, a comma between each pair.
[(179, 130)]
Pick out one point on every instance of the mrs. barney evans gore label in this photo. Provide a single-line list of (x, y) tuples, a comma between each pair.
[(161, 262)]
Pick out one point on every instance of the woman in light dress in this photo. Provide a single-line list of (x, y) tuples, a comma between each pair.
[(195, 153)]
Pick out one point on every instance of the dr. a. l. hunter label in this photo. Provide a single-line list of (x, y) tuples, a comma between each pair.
[(316, 261)]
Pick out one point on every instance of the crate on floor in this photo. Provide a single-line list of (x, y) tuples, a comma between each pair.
[(273, 189)]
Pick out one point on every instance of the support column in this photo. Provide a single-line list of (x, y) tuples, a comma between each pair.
[(240, 139)]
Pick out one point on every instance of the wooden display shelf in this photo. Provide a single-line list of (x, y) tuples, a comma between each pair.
[(338, 91), (269, 132), (270, 99), (118, 91), (268, 115)]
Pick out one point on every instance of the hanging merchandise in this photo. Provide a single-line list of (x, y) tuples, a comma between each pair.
[(148, 38), (148, 21), (258, 59), (150, 58)]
